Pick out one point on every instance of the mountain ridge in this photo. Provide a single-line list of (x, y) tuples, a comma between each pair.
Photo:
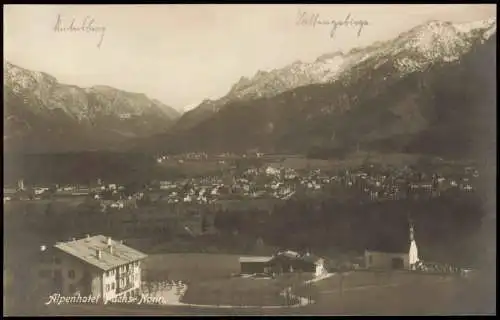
[(400, 83), (328, 67), (36, 105), (405, 77)]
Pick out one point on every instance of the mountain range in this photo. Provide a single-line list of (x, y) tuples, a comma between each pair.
[(429, 90), (43, 115)]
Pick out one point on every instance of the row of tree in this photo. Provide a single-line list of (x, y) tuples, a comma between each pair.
[(445, 226)]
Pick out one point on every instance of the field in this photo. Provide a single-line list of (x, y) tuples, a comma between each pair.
[(210, 283), (366, 293), (39, 207), (363, 293), (357, 159), (190, 267), (300, 162), (242, 291), (192, 168)]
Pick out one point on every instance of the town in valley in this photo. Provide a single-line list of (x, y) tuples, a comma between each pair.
[(358, 180)]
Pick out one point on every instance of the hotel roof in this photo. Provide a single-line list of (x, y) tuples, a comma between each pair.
[(86, 249)]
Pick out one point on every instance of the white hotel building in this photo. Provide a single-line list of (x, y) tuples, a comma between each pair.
[(97, 266)]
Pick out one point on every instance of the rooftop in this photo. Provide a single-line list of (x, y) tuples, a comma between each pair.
[(291, 255), (255, 259), (86, 249)]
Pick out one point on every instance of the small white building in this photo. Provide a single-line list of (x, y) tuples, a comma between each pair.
[(272, 171), (320, 268)]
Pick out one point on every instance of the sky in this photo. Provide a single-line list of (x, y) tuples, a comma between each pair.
[(183, 54)]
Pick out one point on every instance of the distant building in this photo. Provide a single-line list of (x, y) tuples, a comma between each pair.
[(283, 262), (20, 184), (40, 190), (272, 171), (320, 268), (251, 265), (290, 261), (96, 266), (119, 204), (9, 193)]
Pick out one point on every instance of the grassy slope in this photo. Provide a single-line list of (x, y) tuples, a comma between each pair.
[(242, 291)]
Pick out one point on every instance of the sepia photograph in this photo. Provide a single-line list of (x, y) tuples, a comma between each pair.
[(249, 159)]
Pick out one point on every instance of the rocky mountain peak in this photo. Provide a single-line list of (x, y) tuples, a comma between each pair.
[(393, 72), (37, 106)]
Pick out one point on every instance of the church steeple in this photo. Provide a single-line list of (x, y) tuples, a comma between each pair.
[(412, 232), (413, 254)]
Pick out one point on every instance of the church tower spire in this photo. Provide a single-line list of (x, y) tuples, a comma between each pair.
[(412, 232), (413, 254)]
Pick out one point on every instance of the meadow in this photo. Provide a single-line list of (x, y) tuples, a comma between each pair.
[(189, 267), (363, 292), (355, 292), (246, 292)]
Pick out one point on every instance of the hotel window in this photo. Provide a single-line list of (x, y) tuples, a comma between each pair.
[(71, 274), (370, 259), (107, 287), (112, 286)]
